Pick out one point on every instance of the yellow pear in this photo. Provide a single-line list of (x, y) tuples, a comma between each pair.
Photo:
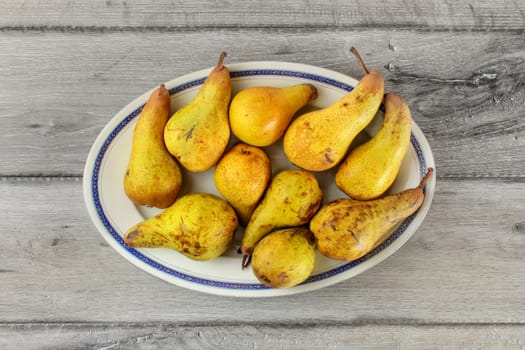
[(241, 176), (371, 168), (319, 140), (284, 258), (347, 229), (292, 198), (198, 133), (199, 225), (153, 177), (259, 115)]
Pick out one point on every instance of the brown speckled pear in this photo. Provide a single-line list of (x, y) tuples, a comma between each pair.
[(371, 168), (347, 229), (259, 115), (292, 198), (284, 258), (241, 176), (198, 133), (319, 140), (153, 177), (199, 225)]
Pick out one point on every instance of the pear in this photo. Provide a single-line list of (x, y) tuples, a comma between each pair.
[(199, 225), (292, 199), (284, 258), (153, 176), (198, 133), (241, 176), (319, 140), (371, 168), (259, 115), (347, 229)]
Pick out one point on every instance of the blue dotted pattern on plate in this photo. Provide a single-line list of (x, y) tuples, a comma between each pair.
[(228, 285)]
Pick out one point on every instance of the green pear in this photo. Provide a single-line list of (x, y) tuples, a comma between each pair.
[(319, 140), (347, 229), (199, 225), (371, 168), (153, 176), (198, 133), (292, 198), (259, 115), (284, 258)]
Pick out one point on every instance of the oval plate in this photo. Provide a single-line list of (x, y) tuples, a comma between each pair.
[(113, 213)]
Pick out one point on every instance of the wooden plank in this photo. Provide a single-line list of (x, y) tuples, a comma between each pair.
[(137, 14), (465, 264), (465, 89), (255, 336)]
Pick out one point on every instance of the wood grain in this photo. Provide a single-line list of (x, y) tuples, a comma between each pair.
[(465, 264), (139, 14), (59, 89), (68, 66), (244, 336)]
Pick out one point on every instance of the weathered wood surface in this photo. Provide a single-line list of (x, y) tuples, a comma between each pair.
[(59, 89), (242, 336), (67, 67), (465, 264), (447, 15)]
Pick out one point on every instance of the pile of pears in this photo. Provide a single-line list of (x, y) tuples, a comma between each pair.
[(284, 218)]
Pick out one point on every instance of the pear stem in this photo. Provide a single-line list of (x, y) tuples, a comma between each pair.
[(246, 261), (160, 89), (220, 64), (360, 60), (426, 178)]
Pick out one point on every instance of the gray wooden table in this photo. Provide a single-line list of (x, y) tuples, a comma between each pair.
[(66, 67)]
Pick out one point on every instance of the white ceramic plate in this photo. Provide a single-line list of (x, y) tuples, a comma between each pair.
[(113, 213)]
